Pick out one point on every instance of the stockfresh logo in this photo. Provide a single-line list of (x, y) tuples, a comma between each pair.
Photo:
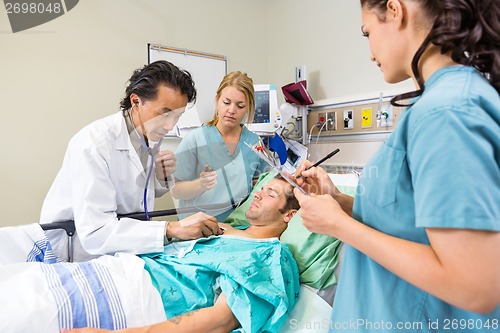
[(29, 14)]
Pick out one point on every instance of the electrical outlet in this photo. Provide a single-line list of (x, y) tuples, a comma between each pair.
[(331, 121), (348, 119), (321, 119)]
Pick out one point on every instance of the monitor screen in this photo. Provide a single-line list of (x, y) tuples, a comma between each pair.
[(292, 157), (261, 107)]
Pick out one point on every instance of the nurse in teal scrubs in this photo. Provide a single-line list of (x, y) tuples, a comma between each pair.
[(423, 232), (214, 166)]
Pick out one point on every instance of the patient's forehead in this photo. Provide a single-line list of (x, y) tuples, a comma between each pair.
[(280, 186)]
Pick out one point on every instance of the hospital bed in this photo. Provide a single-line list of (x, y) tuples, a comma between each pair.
[(313, 309)]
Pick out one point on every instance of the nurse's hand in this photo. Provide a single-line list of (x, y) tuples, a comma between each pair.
[(208, 178), (315, 180), (165, 164), (193, 227), (321, 214)]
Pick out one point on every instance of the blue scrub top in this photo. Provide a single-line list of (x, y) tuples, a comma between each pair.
[(438, 169), (205, 145)]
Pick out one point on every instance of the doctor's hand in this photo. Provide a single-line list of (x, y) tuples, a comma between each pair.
[(165, 164), (193, 227), (315, 180), (208, 178), (321, 214)]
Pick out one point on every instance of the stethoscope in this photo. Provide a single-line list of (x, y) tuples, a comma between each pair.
[(151, 152)]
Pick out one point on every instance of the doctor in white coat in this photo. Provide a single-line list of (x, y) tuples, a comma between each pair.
[(113, 166)]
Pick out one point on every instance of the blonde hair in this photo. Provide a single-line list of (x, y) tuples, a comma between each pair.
[(243, 83)]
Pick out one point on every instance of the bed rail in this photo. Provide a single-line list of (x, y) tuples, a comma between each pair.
[(70, 229)]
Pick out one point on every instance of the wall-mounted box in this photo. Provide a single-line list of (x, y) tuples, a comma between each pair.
[(331, 121), (348, 119), (366, 118), (386, 116)]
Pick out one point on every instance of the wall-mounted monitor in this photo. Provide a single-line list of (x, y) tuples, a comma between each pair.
[(267, 118)]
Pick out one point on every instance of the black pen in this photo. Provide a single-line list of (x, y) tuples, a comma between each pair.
[(321, 161)]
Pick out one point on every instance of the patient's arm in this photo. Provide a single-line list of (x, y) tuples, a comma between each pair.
[(214, 319)]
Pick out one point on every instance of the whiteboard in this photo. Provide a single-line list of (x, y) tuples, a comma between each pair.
[(207, 71)]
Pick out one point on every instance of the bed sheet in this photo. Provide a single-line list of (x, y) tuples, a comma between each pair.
[(310, 314)]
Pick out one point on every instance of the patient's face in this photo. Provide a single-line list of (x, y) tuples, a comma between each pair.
[(266, 205)]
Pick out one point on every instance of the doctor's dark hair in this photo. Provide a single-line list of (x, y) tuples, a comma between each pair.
[(145, 81), (468, 29)]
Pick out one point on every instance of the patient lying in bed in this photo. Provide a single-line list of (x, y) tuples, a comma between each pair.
[(207, 285)]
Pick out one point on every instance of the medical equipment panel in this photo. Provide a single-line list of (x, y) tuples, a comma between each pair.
[(267, 118)]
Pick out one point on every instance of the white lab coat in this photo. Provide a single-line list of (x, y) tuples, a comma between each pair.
[(102, 176)]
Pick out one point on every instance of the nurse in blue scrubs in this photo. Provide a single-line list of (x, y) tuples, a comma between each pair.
[(423, 231), (214, 166)]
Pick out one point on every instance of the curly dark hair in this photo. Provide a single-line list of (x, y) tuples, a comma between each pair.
[(144, 82), (468, 29)]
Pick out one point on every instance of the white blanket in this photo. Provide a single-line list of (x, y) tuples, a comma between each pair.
[(107, 292), (24, 243)]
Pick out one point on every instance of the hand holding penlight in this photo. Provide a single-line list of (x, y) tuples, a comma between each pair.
[(321, 161)]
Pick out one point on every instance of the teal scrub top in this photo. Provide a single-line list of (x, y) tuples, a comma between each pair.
[(235, 173), (438, 169)]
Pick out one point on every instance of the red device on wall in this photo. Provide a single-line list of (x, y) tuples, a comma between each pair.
[(296, 93)]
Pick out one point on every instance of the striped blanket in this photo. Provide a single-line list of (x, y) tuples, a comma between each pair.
[(109, 292)]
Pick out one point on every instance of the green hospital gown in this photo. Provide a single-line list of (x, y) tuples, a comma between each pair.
[(258, 277)]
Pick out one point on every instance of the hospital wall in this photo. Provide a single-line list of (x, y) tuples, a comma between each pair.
[(60, 76)]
